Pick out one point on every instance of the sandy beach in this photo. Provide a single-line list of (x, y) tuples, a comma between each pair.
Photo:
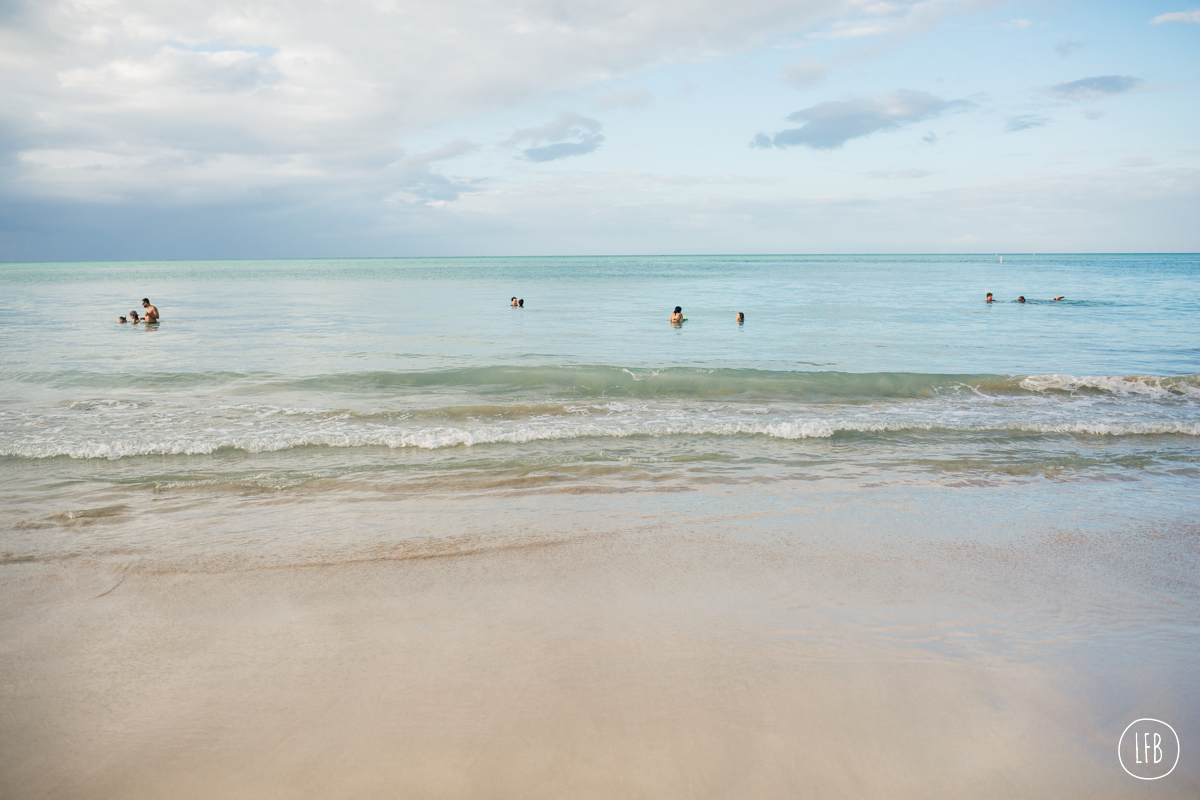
[(833, 650)]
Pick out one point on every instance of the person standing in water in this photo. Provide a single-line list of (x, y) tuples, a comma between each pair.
[(677, 315), (151, 311)]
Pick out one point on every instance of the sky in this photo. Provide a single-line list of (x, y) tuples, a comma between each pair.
[(173, 129)]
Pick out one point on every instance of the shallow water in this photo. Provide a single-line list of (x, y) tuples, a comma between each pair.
[(478, 550), (313, 376)]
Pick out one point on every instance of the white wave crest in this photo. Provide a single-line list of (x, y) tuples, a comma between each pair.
[(440, 437), (1144, 385)]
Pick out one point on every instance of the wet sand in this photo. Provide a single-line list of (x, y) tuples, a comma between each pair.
[(892, 655)]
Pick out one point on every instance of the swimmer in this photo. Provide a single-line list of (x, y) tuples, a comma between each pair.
[(677, 315), (989, 298), (514, 302), (741, 318), (122, 320), (133, 317), (151, 311), (521, 303), (1060, 297), (1021, 299)]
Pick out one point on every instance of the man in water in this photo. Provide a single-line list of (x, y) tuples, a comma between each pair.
[(1021, 299), (677, 315), (989, 298), (151, 311), (741, 318), (514, 302)]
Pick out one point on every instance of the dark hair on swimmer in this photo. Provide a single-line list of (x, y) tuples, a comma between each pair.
[(145, 299), (521, 302), (678, 310)]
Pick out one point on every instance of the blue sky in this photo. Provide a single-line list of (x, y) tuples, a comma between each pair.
[(144, 129)]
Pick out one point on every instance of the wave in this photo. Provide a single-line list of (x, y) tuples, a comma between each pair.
[(441, 437), (628, 382)]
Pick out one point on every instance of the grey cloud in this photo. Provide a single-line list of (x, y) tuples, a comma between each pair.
[(569, 135), (553, 152), (415, 181), (830, 125), (761, 141), (1099, 86), (930, 138), (804, 73), (1024, 122)]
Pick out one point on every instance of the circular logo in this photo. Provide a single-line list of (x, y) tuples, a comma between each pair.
[(1149, 749)]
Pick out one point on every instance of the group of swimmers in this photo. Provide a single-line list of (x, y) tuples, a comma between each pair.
[(150, 317), (1021, 299), (518, 303)]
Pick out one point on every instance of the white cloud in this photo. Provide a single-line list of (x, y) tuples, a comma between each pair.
[(639, 98), (1178, 16)]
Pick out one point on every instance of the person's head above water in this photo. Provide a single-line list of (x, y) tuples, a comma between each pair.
[(145, 301), (741, 317), (989, 298), (514, 301), (1021, 299), (122, 319), (521, 303), (678, 309)]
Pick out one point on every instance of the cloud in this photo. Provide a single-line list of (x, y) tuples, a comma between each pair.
[(830, 125), (1019, 24), (1093, 88), (1091, 113), (1024, 122), (930, 138), (761, 141), (1178, 16), (416, 182), (569, 135), (1065, 49), (804, 73), (629, 99)]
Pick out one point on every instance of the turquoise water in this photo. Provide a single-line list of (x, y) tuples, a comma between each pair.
[(307, 378)]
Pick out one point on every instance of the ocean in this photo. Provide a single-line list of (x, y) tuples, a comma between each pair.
[(875, 468)]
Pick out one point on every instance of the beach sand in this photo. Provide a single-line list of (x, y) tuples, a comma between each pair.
[(866, 650)]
